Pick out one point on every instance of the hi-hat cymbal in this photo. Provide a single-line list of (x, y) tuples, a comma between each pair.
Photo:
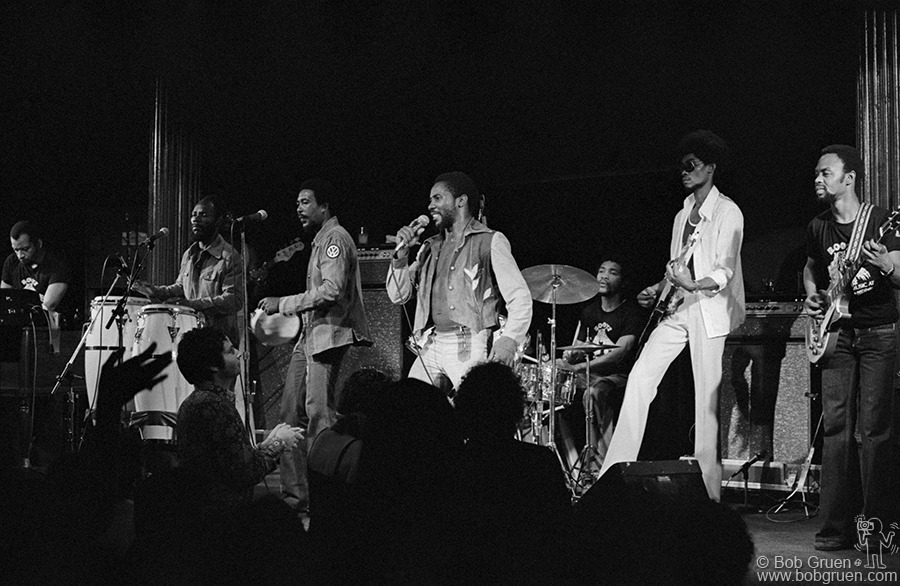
[(572, 285), (587, 347)]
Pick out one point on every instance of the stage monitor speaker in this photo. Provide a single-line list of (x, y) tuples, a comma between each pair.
[(668, 480)]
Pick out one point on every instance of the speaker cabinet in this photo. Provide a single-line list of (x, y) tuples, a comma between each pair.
[(388, 330), (763, 402)]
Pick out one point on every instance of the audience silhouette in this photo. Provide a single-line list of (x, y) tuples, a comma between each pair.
[(405, 488)]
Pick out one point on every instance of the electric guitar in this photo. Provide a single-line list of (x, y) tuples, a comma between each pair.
[(666, 303), (822, 331), (259, 275)]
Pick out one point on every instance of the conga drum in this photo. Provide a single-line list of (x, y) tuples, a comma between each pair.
[(102, 342), (155, 409)]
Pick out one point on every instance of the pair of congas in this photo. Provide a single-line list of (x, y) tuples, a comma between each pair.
[(154, 410)]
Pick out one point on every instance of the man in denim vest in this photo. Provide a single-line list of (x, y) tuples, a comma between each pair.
[(460, 277)]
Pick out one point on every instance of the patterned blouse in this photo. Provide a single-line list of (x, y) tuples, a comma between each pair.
[(214, 450)]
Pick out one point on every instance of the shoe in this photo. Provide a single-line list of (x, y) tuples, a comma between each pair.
[(832, 544)]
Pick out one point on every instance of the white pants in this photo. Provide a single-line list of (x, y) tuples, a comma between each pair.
[(664, 345), (450, 355)]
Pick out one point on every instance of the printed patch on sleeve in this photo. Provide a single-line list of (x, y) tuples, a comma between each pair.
[(333, 251)]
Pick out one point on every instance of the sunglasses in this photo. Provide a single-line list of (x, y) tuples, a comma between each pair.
[(689, 166)]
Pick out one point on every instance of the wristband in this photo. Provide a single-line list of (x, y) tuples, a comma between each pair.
[(889, 273)]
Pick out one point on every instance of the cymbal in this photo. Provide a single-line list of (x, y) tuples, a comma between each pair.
[(572, 285), (588, 347)]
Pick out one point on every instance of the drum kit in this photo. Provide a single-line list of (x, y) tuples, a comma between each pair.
[(545, 382)]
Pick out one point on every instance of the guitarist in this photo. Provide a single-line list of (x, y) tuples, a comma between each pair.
[(708, 304), (857, 379)]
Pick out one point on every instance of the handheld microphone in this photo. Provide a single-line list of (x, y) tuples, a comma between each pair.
[(418, 224), (159, 234), (257, 217)]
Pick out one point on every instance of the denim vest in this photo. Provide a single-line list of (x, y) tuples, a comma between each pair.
[(474, 298)]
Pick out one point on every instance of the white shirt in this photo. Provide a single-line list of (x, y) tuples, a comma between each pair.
[(717, 255)]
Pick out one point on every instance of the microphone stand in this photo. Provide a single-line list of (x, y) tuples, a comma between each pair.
[(744, 470), (247, 391), (67, 375)]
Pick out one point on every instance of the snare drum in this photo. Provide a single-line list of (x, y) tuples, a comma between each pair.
[(157, 408), (531, 379), (537, 380), (101, 342)]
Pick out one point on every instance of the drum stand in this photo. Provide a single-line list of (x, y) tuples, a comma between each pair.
[(580, 476)]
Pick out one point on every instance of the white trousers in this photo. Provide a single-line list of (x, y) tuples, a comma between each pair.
[(450, 355), (666, 342)]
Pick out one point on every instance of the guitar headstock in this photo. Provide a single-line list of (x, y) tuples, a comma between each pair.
[(893, 222), (295, 246)]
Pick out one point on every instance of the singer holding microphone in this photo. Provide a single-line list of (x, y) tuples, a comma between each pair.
[(209, 278), (462, 275), (334, 319)]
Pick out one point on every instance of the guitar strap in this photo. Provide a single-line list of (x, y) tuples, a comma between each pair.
[(688, 250), (863, 215)]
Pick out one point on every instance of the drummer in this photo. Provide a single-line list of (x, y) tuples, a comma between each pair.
[(208, 280), (462, 275), (610, 319)]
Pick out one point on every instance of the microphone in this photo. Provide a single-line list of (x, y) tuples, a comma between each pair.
[(159, 234), (745, 467), (257, 217), (418, 224)]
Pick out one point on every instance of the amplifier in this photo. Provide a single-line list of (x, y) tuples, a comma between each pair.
[(373, 266), (776, 308), (775, 320)]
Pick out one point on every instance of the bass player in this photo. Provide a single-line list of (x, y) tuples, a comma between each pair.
[(708, 303)]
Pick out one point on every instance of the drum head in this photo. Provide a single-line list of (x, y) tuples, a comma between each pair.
[(274, 330)]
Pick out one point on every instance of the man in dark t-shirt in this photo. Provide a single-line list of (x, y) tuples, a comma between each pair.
[(857, 378), (614, 320), (33, 266)]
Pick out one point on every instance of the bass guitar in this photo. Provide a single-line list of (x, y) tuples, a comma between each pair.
[(822, 331), (259, 275), (666, 302)]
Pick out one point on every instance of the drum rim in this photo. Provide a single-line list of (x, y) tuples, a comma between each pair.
[(170, 308)]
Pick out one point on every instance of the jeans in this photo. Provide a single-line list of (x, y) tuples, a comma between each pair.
[(308, 401), (857, 402)]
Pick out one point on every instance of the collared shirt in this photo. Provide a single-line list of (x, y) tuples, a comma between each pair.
[(209, 281), (482, 261), (332, 305), (717, 255)]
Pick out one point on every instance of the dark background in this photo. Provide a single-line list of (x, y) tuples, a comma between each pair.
[(565, 116)]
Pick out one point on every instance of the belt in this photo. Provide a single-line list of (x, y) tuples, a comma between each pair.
[(883, 327)]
